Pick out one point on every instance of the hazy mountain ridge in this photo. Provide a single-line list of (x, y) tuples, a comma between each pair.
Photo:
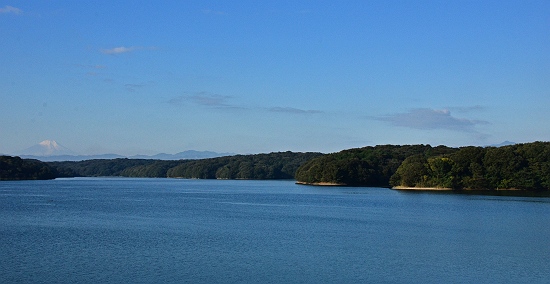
[(505, 143), (185, 155), (51, 151), (72, 158), (189, 154)]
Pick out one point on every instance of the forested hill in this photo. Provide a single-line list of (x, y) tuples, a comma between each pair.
[(279, 165), (15, 168), (521, 166), (368, 166)]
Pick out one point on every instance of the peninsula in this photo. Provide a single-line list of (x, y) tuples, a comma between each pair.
[(423, 167)]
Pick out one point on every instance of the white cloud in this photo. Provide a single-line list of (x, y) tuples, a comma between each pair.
[(122, 49), (118, 50), (10, 9), (427, 119)]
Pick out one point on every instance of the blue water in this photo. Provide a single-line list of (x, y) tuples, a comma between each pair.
[(117, 230)]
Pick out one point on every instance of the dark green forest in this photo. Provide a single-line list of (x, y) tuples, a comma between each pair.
[(280, 165), (15, 168), (368, 166), (521, 166), (96, 168)]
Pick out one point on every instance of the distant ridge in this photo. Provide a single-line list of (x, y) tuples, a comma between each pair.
[(189, 154), (75, 158), (51, 151), (185, 155), (505, 143)]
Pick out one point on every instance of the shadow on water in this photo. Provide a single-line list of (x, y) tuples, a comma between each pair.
[(512, 193)]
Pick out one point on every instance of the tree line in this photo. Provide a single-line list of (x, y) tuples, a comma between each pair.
[(520, 166), (367, 166), (281, 165), (15, 168), (277, 165)]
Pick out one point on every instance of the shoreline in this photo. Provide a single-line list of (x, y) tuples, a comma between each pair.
[(422, 188), (321, 183), (450, 189)]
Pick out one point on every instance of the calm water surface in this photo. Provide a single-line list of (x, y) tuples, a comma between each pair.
[(115, 230)]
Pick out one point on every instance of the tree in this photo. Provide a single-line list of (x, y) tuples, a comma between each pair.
[(413, 172), (441, 172)]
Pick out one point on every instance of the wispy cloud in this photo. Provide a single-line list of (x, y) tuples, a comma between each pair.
[(213, 12), (133, 87), (92, 69), (428, 119), (118, 50), (10, 10), (467, 109), (293, 110), (204, 99), (207, 99), (91, 66), (213, 100), (122, 49)]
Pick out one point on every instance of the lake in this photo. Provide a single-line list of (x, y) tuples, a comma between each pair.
[(122, 230)]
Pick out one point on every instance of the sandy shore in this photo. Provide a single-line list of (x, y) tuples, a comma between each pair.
[(422, 188)]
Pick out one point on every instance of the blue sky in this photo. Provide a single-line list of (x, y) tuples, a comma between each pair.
[(143, 77)]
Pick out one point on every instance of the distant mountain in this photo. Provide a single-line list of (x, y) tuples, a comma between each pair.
[(505, 143), (73, 158), (47, 148), (51, 151), (185, 155)]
